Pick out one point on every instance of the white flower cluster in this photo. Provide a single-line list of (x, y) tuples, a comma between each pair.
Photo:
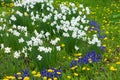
[(61, 21)]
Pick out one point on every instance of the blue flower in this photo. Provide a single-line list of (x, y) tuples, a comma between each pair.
[(95, 24), (90, 56), (52, 73)]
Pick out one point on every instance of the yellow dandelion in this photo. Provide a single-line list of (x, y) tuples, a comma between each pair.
[(5, 79), (26, 78), (75, 74), (18, 73), (11, 4), (33, 72), (44, 78), (69, 57), (49, 79), (59, 73), (55, 78), (107, 32), (112, 68), (88, 69), (19, 78), (105, 38), (76, 59), (117, 62), (62, 45), (90, 60), (69, 77), (104, 45), (84, 68), (50, 70), (37, 75)]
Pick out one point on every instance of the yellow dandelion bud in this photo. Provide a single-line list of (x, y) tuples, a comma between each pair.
[(55, 78), (117, 62), (107, 32), (75, 74), (105, 59), (105, 38), (84, 68), (37, 75), (44, 78), (18, 73), (33, 72), (59, 73), (88, 69), (112, 68), (19, 78), (26, 78), (11, 4), (49, 79), (5, 79), (11, 77), (90, 60), (62, 45), (76, 59), (69, 57), (25, 13), (104, 45), (72, 68), (69, 77), (78, 55), (109, 50), (50, 70)]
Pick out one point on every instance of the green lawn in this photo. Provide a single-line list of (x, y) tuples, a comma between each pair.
[(105, 12)]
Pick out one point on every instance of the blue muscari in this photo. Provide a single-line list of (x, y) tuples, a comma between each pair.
[(24, 74), (45, 73), (96, 27), (85, 59)]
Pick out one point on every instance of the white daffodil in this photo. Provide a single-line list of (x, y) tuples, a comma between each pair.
[(7, 50)]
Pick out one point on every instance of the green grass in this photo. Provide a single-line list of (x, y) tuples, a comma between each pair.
[(107, 14)]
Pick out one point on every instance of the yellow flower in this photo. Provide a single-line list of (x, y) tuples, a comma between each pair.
[(88, 69), (104, 45), (25, 13), (78, 55), (112, 68), (76, 59), (11, 4), (50, 70), (58, 72), (62, 45), (49, 79), (37, 75), (105, 38), (74, 67), (19, 78), (105, 59), (107, 32), (5, 79), (69, 77), (75, 74), (84, 68), (90, 60), (69, 57), (117, 62), (33, 72), (18, 73), (55, 78), (44, 78), (26, 78), (10, 77)]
